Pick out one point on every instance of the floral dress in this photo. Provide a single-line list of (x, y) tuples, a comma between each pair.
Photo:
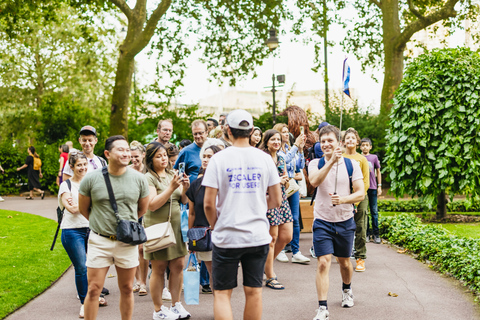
[(282, 214)]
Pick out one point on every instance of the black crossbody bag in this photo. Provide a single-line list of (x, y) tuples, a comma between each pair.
[(130, 232), (60, 216)]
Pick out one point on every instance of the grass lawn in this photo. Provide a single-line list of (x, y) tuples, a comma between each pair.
[(27, 265), (467, 230)]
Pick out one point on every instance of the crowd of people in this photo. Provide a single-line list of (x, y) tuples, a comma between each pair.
[(243, 184)]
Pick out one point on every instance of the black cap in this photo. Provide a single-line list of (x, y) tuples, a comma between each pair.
[(88, 131)]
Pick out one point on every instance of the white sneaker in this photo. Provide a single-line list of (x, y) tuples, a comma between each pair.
[(164, 314), (347, 298), (179, 310), (312, 252), (300, 258), (166, 296), (81, 314), (282, 257), (322, 313), (1, 199)]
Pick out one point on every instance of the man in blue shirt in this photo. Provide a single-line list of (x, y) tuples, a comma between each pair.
[(191, 153)]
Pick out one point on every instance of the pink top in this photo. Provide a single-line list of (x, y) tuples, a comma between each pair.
[(323, 208)]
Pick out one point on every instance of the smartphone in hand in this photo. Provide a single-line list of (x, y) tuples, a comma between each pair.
[(302, 130), (181, 169)]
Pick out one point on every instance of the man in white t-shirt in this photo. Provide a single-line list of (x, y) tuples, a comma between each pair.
[(237, 180), (334, 226), (88, 140)]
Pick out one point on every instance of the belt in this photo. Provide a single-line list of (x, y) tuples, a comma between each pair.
[(114, 237)]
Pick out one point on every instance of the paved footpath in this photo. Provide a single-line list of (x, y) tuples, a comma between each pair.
[(422, 293)]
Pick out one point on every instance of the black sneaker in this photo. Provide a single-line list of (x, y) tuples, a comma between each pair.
[(206, 289), (105, 291)]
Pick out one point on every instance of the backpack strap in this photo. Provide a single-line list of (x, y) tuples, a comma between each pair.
[(348, 164), (102, 161), (69, 184)]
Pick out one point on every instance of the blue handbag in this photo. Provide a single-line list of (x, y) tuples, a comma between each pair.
[(200, 239), (191, 281)]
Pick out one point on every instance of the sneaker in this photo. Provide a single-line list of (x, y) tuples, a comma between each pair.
[(166, 296), (377, 239), (1, 199), (322, 313), (206, 289), (368, 239), (360, 265), (136, 287), (180, 311), (164, 314), (347, 298), (81, 314), (312, 252), (300, 258), (282, 257)]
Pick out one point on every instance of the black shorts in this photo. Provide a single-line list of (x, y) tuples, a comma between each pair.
[(333, 237), (225, 266)]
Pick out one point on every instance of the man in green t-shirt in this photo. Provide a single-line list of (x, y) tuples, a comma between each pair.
[(132, 194)]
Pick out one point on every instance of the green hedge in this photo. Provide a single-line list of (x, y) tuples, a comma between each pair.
[(450, 254), (416, 205)]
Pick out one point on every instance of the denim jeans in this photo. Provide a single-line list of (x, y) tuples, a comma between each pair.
[(75, 243), (294, 202), (372, 201), (204, 277)]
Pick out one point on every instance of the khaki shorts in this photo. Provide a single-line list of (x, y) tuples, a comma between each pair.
[(204, 256), (103, 252)]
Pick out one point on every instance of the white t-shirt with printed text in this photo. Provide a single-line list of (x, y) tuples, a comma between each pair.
[(242, 177)]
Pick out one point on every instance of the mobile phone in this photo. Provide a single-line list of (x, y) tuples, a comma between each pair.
[(302, 129), (181, 169)]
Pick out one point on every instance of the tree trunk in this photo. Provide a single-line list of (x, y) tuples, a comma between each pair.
[(441, 206), (121, 93)]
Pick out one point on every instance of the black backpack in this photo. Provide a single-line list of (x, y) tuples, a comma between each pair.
[(60, 216)]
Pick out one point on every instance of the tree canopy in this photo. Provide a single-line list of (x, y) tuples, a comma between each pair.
[(433, 141)]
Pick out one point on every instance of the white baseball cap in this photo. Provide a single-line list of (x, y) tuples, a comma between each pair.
[(240, 119)]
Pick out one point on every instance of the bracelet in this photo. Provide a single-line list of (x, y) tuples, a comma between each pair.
[(380, 185)]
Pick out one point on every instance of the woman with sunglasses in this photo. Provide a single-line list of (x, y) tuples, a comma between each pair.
[(167, 191), (74, 225)]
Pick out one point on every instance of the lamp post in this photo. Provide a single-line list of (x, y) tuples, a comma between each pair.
[(272, 44)]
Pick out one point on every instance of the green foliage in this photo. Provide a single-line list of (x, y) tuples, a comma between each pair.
[(432, 140), (28, 266), (450, 254), (11, 158), (265, 121), (419, 205)]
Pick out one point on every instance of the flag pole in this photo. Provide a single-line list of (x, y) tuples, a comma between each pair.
[(346, 90)]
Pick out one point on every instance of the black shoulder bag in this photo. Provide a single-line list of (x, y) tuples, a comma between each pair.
[(60, 216), (130, 232)]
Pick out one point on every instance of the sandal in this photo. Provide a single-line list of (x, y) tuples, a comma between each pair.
[(143, 290), (136, 287), (102, 302), (29, 198), (272, 283)]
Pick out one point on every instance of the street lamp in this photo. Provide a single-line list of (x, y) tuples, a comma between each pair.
[(272, 44)]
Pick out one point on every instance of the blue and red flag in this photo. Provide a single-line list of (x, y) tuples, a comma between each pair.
[(346, 78)]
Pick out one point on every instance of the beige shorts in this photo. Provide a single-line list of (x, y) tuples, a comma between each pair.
[(204, 256), (103, 252)]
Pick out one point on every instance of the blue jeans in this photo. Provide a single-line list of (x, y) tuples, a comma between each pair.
[(294, 202), (372, 201), (75, 243), (204, 277)]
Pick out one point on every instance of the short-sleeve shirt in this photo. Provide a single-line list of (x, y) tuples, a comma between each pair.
[(128, 188), (92, 164), (363, 163), (373, 164), (71, 220), (191, 156), (196, 193), (64, 155), (242, 177), (323, 208)]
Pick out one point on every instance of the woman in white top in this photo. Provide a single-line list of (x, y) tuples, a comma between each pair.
[(74, 225)]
